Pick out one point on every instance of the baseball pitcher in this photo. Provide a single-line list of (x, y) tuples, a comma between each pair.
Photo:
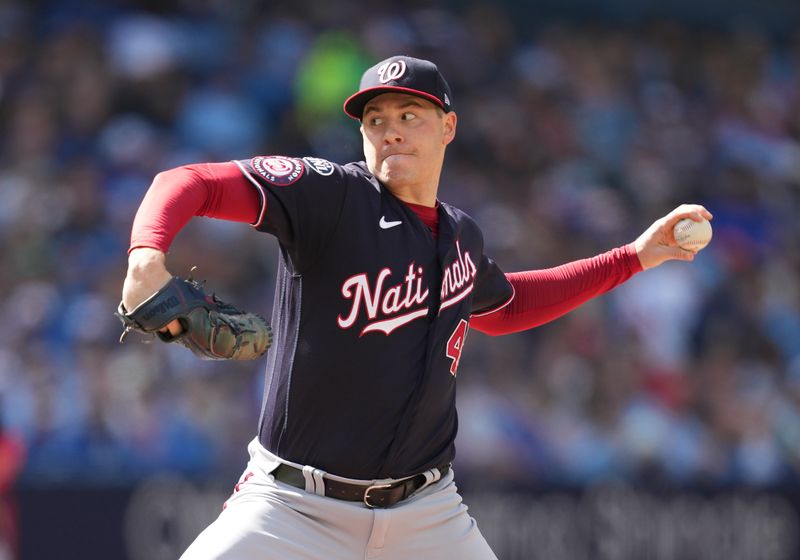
[(379, 283)]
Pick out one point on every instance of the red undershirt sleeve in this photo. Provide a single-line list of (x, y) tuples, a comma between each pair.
[(215, 190), (544, 295)]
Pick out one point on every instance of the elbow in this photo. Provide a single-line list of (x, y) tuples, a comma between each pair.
[(175, 176), (184, 182)]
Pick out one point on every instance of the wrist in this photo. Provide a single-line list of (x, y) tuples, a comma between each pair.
[(147, 273), (145, 260)]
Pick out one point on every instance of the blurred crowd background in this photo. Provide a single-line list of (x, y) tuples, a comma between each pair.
[(573, 137)]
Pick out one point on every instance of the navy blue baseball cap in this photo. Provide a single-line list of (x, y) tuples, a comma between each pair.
[(401, 74)]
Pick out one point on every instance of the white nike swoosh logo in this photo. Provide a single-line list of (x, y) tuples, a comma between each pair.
[(386, 225)]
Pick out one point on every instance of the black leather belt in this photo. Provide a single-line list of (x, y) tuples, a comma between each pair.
[(374, 496)]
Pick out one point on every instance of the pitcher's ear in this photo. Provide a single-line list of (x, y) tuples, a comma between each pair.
[(450, 122)]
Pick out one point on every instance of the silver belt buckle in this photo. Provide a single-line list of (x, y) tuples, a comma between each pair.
[(373, 487)]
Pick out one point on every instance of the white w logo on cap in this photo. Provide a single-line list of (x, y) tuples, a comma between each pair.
[(391, 71)]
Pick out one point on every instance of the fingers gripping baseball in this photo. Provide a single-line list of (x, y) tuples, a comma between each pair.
[(658, 243)]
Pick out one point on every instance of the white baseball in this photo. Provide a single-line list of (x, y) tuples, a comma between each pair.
[(692, 235)]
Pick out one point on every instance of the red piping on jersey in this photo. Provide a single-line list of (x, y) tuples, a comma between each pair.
[(263, 213), (501, 306)]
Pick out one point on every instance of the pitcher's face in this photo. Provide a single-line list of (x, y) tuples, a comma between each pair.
[(405, 138)]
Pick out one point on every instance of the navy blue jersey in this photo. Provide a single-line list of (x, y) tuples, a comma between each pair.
[(370, 316)]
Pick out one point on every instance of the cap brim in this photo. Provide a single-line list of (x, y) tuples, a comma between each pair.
[(354, 105)]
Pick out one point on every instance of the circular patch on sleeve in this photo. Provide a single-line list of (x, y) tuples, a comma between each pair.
[(321, 166), (278, 170)]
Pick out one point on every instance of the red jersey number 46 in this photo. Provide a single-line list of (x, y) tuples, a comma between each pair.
[(455, 344)]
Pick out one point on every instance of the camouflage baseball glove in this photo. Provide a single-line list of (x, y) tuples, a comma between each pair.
[(212, 329)]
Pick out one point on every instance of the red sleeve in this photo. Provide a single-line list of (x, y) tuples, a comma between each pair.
[(216, 190), (544, 295)]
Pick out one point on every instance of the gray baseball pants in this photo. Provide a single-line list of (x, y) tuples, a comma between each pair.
[(269, 520)]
